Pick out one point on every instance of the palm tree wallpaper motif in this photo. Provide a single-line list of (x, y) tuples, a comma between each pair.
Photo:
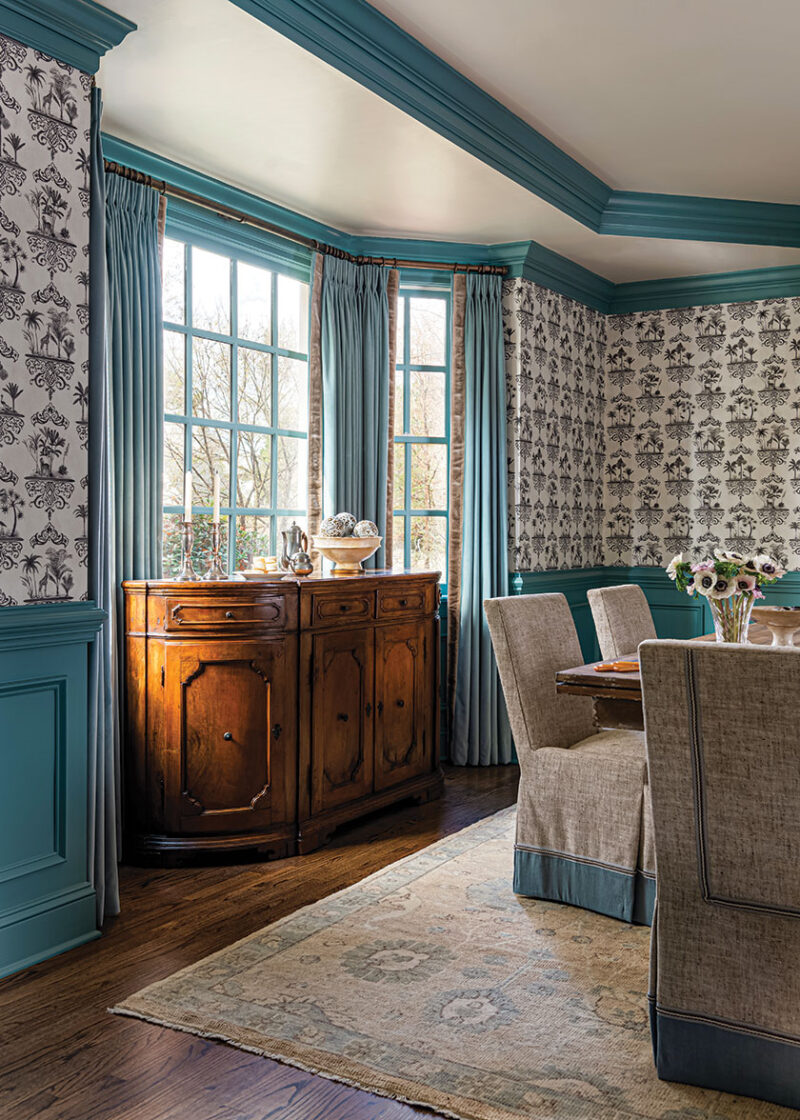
[(44, 235)]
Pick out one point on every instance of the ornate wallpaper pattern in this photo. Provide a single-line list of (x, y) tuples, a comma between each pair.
[(554, 349), (703, 431), (44, 323)]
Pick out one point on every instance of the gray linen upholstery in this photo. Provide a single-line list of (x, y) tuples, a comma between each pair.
[(622, 619), (581, 797), (723, 745)]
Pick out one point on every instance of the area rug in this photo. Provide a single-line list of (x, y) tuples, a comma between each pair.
[(432, 983)]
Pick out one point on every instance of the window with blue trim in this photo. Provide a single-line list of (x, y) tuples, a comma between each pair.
[(235, 398), (422, 430)]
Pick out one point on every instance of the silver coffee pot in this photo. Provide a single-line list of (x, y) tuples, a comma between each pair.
[(294, 541)]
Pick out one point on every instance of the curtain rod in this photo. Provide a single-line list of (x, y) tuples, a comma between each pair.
[(268, 227)]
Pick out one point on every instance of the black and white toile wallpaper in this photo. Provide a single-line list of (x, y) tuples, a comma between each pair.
[(44, 323), (554, 350), (633, 437)]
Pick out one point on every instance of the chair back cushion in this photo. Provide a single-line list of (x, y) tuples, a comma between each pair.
[(622, 619), (533, 638)]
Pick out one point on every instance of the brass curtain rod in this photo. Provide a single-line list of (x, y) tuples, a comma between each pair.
[(317, 246)]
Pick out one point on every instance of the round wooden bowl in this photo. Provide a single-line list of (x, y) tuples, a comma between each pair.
[(782, 621), (347, 553)]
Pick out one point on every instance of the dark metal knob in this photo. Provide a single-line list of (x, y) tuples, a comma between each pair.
[(380, 706), (229, 614), (343, 607), (227, 736), (401, 703), (368, 709), (343, 716), (404, 602)]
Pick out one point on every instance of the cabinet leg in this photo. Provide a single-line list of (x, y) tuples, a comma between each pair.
[(312, 838), (279, 849)]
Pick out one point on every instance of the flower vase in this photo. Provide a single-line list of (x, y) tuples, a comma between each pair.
[(732, 616)]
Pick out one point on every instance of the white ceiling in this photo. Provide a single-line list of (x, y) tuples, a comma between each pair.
[(672, 96), (203, 83)]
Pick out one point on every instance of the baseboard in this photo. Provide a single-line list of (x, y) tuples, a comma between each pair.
[(49, 928)]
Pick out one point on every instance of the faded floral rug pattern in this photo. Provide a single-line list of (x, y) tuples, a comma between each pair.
[(431, 982)]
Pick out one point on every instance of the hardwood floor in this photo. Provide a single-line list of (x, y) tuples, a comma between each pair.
[(63, 1057)]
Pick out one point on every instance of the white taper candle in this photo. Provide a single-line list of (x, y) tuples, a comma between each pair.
[(215, 518), (187, 497)]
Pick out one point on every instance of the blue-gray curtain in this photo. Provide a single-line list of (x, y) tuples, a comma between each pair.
[(136, 376), (355, 386), (104, 741), (480, 734)]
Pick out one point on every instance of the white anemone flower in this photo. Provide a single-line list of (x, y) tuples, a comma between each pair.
[(723, 588), (767, 566), (672, 567)]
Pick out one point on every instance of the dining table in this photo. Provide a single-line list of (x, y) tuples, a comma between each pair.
[(617, 696)]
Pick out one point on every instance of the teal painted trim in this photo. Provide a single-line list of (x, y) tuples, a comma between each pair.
[(528, 259), (202, 227), (590, 886), (78, 32), (49, 624), (685, 217), (361, 42), (714, 287)]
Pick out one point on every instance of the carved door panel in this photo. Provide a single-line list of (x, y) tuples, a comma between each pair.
[(403, 725), (230, 734), (341, 717)]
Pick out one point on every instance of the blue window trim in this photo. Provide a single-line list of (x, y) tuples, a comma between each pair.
[(410, 288), (180, 226)]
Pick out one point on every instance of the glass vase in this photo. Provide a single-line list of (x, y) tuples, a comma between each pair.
[(732, 616)]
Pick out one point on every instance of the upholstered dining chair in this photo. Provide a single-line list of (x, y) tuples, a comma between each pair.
[(721, 723), (622, 619), (581, 819)]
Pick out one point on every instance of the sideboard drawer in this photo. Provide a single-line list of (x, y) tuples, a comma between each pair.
[(354, 607), (190, 616), (396, 603)]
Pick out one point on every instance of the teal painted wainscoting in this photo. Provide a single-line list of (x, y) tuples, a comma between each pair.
[(675, 615), (47, 903)]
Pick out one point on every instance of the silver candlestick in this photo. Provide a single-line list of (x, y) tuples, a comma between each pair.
[(215, 569), (187, 572)]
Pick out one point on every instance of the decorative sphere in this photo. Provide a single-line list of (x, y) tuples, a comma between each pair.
[(366, 529), (347, 523), (331, 527)]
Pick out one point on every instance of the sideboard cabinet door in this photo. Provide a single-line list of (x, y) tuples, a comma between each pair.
[(230, 724), (404, 703), (342, 701)]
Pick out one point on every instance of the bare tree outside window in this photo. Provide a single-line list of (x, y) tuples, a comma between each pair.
[(235, 400)]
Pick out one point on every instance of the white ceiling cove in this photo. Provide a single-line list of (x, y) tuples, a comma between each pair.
[(209, 86)]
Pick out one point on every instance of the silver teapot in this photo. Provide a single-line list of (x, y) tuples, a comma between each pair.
[(294, 541)]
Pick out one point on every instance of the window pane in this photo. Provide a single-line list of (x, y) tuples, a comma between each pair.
[(429, 544), (401, 331), (253, 538), (171, 544), (427, 331), (211, 379), (174, 459), (174, 281), (399, 419), (292, 314), (399, 487), (254, 379), (174, 373), (398, 542), (292, 470), (211, 291), (428, 404), (254, 286), (254, 471), (210, 453), (292, 394), (429, 476)]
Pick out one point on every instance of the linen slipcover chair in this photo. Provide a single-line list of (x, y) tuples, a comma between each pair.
[(622, 619), (582, 836), (723, 745)]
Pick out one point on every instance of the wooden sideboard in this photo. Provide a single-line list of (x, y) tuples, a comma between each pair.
[(265, 714)]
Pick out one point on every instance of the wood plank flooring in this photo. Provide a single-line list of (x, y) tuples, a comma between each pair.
[(63, 1057)]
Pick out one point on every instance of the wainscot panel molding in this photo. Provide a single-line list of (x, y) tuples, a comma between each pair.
[(47, 903), (78, 32), (367, 46)]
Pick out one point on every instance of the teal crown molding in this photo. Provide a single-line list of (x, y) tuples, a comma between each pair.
[(527, 259), (49, 624), (361, 42), (78, 32)]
